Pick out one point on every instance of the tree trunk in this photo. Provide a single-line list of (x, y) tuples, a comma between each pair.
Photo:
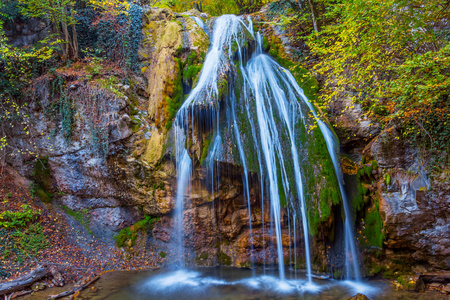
[(67, 45), (75, 42), (316, 28), (24, 281), (198, 6), (57, 27)]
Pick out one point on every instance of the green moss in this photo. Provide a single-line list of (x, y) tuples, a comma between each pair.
[(337, 274), (128, 236), (81, 217), (135, 124), (224, 259), (45, 196), (266, 44), (321, 181), (234, 47), (205, 149), (192, 66), (173, 92), (373, 231), (301, 263), (388, 179), (133, 110), (282, 194), (364, 180), (406, 282), (222, 86), (162, 254), (190, 72)]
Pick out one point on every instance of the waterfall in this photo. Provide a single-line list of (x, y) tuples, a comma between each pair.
[(184, 167), (200, 23), (265, 120), (351, 257)]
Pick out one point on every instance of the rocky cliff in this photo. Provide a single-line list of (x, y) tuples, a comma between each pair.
[(102, 141)]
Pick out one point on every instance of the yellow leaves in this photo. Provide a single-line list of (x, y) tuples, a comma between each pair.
[(111, 6)]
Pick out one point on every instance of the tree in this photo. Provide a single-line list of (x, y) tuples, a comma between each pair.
[(62, 15), (248, 6), (393, 57)]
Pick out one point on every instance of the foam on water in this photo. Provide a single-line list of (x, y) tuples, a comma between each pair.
[(180, 280), (360, 287), (193, 281)]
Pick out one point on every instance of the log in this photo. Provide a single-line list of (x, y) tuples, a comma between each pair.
[(57, 280), (76, 289), (24, 281), (19, 294)]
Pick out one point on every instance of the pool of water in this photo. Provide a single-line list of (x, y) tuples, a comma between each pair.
[(225, 283)]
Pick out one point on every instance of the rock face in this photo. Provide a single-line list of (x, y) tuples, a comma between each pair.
[(217, 226), (415, 208), (27, 32), (353, 128), (102, 146), (108, 151)]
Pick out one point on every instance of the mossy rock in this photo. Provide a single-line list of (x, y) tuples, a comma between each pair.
[(42, 174), (128, 236), (407, 282), (45, 196), (224, 259)]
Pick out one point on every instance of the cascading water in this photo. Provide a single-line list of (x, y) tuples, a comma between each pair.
[(351, 259), (200, 23), (184, 166), (270, 98), (265, 113)]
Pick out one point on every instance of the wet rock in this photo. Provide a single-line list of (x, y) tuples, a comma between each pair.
[(434, 286)]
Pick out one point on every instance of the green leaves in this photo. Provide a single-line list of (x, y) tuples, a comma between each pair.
[(20, 219), (389, 55)]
